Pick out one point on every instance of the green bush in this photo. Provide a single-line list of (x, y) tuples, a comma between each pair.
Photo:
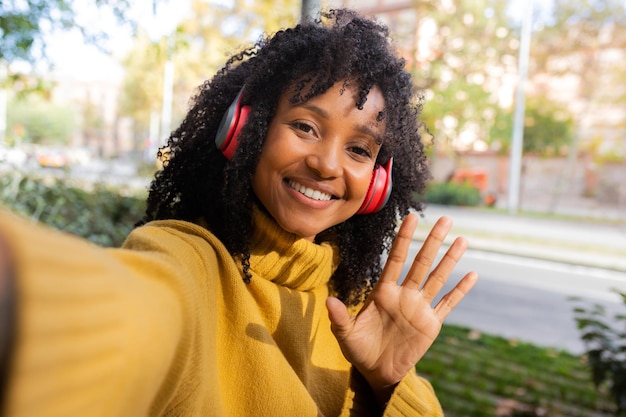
[(97, 212), (605, 342), (452, 194)]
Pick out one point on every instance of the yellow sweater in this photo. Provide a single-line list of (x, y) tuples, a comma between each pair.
[(166, 326)]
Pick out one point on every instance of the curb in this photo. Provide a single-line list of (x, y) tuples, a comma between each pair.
[(553, 251)]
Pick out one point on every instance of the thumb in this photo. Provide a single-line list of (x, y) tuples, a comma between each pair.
[(341, 322)]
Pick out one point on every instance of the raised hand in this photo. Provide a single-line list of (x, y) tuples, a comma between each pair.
[(398, 323)]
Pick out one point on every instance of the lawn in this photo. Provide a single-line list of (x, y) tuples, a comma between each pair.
[(475, 374)]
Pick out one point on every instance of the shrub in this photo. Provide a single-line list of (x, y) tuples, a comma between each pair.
[(97, 212), (452, 194), (605, 342)]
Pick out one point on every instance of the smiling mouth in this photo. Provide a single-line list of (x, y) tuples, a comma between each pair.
[(309, 192)]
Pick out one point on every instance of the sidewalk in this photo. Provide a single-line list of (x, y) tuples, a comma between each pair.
[(600, 243)]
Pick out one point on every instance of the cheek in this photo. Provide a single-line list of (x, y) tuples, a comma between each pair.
[(361, 183)]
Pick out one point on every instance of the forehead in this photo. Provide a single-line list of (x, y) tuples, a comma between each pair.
[(341, 98)]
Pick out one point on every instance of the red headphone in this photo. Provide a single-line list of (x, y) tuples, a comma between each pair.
[(226, 140)]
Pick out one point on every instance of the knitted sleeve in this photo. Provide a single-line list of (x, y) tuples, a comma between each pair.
[(412, 397), (95, 336)]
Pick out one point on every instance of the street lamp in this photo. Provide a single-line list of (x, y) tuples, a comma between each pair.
[(310, 9), (520, 108)]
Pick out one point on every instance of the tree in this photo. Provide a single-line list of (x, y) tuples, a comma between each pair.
[(548, 128), (466, 50), (198, 47), (39, 121), (24, 25), (583, 42)]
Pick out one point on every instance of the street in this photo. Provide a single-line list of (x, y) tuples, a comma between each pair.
[(530, 300)]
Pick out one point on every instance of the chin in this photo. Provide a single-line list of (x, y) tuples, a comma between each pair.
[(298, 230)]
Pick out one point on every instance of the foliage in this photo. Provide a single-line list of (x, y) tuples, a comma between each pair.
[(25, 24), (98, 213), (465, 50), (581, 46), (580, 22), (605, 342), (548, 128), (467, 65), (198, 47), (452, 194), (481, 375), (35, 120)]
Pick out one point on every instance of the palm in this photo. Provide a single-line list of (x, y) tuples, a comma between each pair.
[(397, 324)]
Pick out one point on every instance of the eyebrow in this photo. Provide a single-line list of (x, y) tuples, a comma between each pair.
[(361, 128)]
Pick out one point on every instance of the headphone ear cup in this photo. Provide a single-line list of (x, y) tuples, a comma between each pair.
[(230, 126), (379, 190), (231, 145)]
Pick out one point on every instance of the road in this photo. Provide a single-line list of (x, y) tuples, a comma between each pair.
[(530, 300)]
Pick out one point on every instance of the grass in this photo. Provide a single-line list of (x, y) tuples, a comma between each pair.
[(479, 375)]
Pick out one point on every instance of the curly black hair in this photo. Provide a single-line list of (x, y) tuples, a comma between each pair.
[(197, 182)]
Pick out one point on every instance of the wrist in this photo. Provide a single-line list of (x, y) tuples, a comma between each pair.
[(380, 391)]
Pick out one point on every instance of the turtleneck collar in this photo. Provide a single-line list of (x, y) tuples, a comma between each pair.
[(288, 260)]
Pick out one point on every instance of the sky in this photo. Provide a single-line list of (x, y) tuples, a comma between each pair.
[(73, 58)]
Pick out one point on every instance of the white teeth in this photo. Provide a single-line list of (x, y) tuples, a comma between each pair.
[(309, 192)]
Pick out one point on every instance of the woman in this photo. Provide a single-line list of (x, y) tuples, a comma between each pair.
[(253, 286)]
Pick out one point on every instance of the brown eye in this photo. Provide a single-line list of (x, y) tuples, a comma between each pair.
[(361, 151), (304, 127)]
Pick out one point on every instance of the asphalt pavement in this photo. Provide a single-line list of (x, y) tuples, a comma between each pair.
[(531, 265)]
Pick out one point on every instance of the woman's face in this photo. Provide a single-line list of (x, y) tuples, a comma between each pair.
[(317, 159)]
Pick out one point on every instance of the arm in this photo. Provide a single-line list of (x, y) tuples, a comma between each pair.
[(397, 324), (95, 332)]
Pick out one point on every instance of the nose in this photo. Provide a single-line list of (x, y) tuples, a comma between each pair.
[(325, 159)]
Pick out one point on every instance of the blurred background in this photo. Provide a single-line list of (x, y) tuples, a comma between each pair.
[(526, 103), (524, 111)]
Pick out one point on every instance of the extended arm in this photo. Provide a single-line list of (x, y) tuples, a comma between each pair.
[(91, 328)]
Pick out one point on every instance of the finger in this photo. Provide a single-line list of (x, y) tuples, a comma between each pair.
[(426, 256), (438, 277), (399, 250), (340, 320), (449, 301)]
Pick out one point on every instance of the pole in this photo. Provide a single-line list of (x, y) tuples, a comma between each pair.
[(153, 137), (310, 9), (3, 101), (520, 108), (166, 110)]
